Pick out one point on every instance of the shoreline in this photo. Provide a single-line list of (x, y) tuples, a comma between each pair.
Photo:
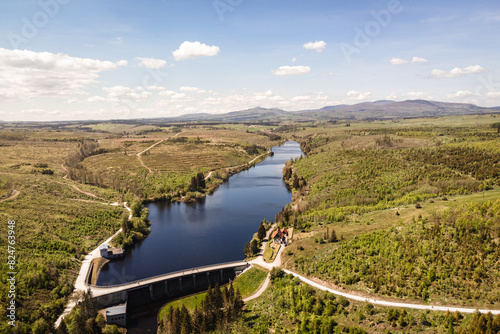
[(230, 171), (86, 267), (83, 274), (96, 266)]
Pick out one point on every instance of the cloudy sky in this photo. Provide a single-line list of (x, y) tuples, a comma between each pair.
[(96, 59)]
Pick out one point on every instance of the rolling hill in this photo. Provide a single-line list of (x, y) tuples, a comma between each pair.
[(384, 109)]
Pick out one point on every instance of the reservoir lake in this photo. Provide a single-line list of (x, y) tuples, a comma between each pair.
[(213, 230)]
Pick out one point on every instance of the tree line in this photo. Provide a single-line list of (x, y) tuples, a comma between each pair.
[(219, 309)]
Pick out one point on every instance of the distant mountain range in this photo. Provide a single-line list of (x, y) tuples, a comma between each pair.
[(384, 109)]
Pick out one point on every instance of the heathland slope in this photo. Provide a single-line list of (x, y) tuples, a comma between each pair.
[(57, 179)]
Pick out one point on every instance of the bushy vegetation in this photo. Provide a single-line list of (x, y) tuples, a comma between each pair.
[(65, 175), (289, 306), (357, 181), (218, 311), (452, 256), (52, 236), (349, 172), (449, 256), (135, 229), (84, 318)]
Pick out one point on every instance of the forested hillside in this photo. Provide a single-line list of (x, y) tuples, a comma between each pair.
[(415, 210)]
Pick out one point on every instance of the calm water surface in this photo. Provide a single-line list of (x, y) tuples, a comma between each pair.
[(187, 235)]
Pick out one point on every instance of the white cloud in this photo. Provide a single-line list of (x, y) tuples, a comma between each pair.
[(301, 98), (266, 96), (167, 93), (241, 99), (173, 95), (415, 95), (192, 89), (398, 61), (487, 16), (321, 97), (43, 74), (121, 94), (178, 96), (96, 99), (418, 96), (419, 60), (116, 41), (155, 88), (188, 50), (122, 62), (291, 70), (294, 60), (460, 94), (357, 95), (457, 72), (213, 101), (151, 63), (318, 46), (493, 94)]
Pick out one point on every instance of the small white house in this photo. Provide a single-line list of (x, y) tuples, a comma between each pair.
[(104, 250), (110, 252), (117, 315)]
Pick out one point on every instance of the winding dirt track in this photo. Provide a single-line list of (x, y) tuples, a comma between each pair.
[(150, 171), (210, 174), (80, 190), (15, 193)]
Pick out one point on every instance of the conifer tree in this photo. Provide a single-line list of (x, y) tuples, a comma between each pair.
[(261, 233), (254, 247)]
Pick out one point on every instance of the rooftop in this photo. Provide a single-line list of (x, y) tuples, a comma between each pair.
[(116, 310)]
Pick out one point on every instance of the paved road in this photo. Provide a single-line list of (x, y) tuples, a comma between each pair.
[(80, 283), (386, 303), (261, 290), (99, 291), (277, 262), (260, 259)]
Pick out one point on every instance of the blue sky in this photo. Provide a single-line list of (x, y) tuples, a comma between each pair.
[(107, 59)]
